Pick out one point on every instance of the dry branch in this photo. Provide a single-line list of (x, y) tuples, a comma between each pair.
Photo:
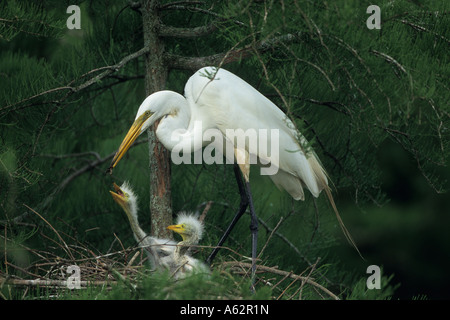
[(105, 270), (109, 69), (194, 63), (66, 248), (423, 29), (74, 89), (261, 268), (94, 164), (169, 31), (51, 283), (180, 6)]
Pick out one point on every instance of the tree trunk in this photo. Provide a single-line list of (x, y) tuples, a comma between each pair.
[(159, 157)]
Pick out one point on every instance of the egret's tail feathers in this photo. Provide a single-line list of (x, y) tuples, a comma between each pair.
[(315, 179), (319, 172), (347, 234), (322, 183)]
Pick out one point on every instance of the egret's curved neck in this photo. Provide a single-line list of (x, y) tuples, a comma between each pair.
[(183, 247), (175, 129), (139, 234)]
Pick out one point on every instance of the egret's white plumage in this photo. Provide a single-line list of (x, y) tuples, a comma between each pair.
[(164, 253), (221, 100)]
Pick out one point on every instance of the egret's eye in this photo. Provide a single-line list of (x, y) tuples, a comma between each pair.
[(147, 114)]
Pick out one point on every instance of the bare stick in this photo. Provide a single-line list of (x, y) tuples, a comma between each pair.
[(282, 273), (51, 283), (108, 70), (56, 232)]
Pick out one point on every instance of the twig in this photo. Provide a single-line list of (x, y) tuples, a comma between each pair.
[(285, 289), (178, 3), (194, 63), (282, 279), (389, 59), (186, 33), (24, 271), (51, 283), (109, 70), (423, 29), (291, 245), (303, 283), (71, 155), (282, 273), (270, 237), (205, 211), (56, 232), (133, 258), (91, 165), (173, 6)]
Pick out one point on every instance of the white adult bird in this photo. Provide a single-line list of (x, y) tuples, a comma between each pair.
[(164, 253), (219, 100)]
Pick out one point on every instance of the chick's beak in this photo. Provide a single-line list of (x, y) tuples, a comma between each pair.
[(178, 228), (118, 195)]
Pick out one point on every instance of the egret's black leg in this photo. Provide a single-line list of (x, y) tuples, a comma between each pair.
[(254, 231), (242, 207)]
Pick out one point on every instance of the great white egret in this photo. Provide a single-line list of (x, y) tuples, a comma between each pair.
[(219, 100), (164, 253)]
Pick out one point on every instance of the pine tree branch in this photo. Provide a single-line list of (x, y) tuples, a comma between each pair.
[(423, 29), (173, 61), (63, 184), (169, 31), (179, 6), (109, 69), (88, 167), (178, 3), (195, 63), (74, 89)]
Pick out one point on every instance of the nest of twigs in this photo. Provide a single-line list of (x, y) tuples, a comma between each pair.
[(75, 266), (84, 268)]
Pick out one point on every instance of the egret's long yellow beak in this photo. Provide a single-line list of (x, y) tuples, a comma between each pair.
[(131, 136)]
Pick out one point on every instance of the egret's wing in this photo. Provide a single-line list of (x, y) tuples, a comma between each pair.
[(189, 267), (164, 247), (197, 266), (224, 101)]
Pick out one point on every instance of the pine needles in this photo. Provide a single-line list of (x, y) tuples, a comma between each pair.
[(66, 100), (125, 274)]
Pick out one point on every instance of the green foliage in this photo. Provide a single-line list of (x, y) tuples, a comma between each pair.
[(351, 91), (386, 291), (21, 18), (162, 287)]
